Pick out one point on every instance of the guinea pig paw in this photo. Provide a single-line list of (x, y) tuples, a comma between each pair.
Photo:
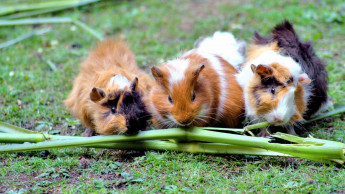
[(88, 133)]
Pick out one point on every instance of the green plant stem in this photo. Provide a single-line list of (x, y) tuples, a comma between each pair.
[(51, 21), (192, 147), (31, 21), (329, 150), (338, 110), (34, 6), (320, 150), (48, 10), (82, 141), (20, 138), (257, 126), (7, 128), (23, 37), (88, 29)]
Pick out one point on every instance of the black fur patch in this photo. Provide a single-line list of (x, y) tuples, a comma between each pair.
[(134, 110), (304, 54)]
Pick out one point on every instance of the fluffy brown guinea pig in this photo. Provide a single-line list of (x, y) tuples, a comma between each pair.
[(107, 95), (199, 88), (279, 79)]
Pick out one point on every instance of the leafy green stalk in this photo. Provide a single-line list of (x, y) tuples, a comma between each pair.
[(76, 142), (326, 151), (192, 147), (7, 128)]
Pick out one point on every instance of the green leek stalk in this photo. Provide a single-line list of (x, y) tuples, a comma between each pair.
[(192, 147), (310, 148)]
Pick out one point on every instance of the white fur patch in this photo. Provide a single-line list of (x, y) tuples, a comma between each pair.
[(119, 80), (217, 66), (285, 109), (177, 69), (224, 45)]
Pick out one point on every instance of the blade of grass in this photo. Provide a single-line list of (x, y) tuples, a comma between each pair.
[(4, 10), (31, 21), (51, 21), (51, 65), (339, 109), (23, 37), (88, 29), (48, 10)]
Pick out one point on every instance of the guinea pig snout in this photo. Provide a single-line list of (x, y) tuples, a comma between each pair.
[(184, 120)]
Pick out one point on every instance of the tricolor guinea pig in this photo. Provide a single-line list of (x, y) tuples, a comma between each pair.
[(284, 81), (199, 88), (108, 94)]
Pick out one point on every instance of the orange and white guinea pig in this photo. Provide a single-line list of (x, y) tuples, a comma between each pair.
[(108, 94), (284, 81), (199, 88)]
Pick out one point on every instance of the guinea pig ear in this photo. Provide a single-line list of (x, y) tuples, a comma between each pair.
[(304, 79), (134, 84), (199, 69), (157, 73), (263, 70), (97, 94)]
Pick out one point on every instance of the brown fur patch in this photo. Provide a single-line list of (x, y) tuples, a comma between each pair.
[(206, 86)]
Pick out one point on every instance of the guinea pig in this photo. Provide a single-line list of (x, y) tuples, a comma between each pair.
[(278, 87), (108, 94), (199, 88)]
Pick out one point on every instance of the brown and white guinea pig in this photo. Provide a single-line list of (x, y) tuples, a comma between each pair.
[(284, 81), (107, 95), (199, 88)]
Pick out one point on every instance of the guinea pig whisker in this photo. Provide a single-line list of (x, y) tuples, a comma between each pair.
[(209, 117)]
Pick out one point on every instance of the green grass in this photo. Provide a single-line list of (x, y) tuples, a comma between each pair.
[(157, 31)]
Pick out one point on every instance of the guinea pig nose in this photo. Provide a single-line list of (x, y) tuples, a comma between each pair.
[(185, 122), (277, 119)]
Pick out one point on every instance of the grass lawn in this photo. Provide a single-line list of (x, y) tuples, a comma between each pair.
[(31, 95)]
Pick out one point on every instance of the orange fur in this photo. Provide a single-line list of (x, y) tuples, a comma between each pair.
[(109, 58), (255, 50), (206, 84)]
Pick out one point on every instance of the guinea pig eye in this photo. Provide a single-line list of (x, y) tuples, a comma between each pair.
[(113, 109), (193, 97), (273, 90), (170, 100)]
